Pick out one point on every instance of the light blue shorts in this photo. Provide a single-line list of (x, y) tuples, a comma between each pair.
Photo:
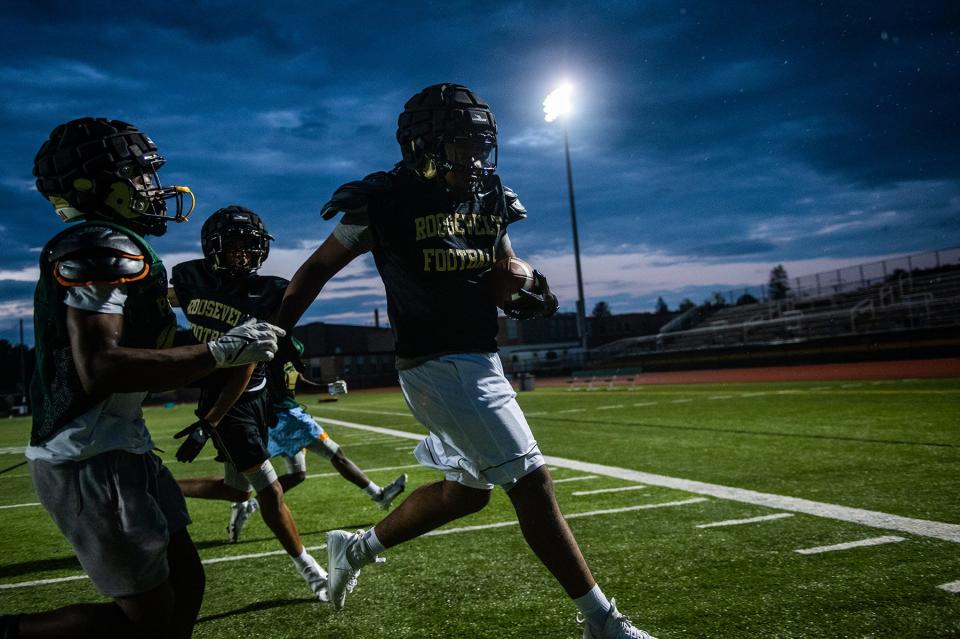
[(478, 434), (296, 429)]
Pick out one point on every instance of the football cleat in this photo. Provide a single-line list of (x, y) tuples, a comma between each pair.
[(390, 492), (316, 578), (342, 577), (239, 514), (616, 626)]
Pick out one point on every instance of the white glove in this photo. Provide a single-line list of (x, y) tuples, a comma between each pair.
[(251, 341)]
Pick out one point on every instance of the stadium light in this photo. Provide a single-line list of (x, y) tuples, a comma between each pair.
[(559, 105)]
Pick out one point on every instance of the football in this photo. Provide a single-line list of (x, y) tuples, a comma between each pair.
[(509, 276)]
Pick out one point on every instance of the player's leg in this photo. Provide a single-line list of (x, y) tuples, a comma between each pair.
[(547, 533), (296, 471), (107, 507), (324, 446), (211, 488)]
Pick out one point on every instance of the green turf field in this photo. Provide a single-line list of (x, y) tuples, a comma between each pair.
[(890, 447)]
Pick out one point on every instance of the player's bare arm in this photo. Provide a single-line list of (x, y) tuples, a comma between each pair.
[(328, 260), (232, 390), (106, 367)]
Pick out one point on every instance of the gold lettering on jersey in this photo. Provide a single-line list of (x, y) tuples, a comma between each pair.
[(456, 224), (213, 309), (442, 260)]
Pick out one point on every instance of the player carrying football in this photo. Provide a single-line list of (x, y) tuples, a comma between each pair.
[(434, 223)]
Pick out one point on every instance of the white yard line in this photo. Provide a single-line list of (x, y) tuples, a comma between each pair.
[(433, 533), (367, 470), (577, 478), (363, 410), (871, 518), (592, 513), (610, 407), (216, 560), (953, 586), (753, 394), (874, 541), (751, 520), (21, 505), (572, 410), (13, 450), (647, 404), (681, 401), (607, 490), (720, 397)]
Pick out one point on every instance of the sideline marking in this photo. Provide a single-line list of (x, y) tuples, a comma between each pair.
[(953, 586), (577, 478), (737, 522), (874, 541), (871, 518), (21, 505), (607, 490)]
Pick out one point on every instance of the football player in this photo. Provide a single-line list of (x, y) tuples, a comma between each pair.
[(434, 224), (103, 326), (297, 432), (216, 293)]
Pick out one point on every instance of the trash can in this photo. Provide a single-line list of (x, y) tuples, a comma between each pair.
[(527, 382)]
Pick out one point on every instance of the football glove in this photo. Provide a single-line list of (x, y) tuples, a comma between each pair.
[(251, 341), (196, 435), (539, 302)]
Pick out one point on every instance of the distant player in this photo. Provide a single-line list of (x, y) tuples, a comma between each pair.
[(297, 432), (103, 326), (434, 224), (216, 293)]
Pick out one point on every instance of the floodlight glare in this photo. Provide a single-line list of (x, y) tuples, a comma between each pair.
[(558, 102)]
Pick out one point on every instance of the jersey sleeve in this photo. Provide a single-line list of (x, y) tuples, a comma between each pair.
[(353, 231), (97, 298)]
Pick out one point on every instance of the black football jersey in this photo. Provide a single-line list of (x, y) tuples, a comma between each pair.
[(429, 247), (213, 309)]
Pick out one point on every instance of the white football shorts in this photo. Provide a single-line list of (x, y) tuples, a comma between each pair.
[(478, 434)]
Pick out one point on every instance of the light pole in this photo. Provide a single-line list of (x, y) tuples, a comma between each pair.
[(556, 105)]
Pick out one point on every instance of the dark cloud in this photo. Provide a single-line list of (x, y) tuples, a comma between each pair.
[(714, 130)]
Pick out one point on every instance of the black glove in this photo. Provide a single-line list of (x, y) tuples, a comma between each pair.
[(539, 302), (197, 435)]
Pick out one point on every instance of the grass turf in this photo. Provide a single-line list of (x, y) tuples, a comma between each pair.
[(887, 446)]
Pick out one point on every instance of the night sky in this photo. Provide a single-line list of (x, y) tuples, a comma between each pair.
[(711, 140)]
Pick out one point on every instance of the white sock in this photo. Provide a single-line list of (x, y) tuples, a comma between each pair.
[(365, 550), (373, 490), (305, 559), (594, 606)]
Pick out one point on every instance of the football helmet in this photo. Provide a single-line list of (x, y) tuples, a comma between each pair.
[(235, 241), (447, 127), (107, 169)]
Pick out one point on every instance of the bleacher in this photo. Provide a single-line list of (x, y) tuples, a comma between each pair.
[(901, 302)]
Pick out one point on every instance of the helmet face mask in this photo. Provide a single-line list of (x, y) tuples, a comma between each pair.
[(107, 169), (235, 242), (447, 132)]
